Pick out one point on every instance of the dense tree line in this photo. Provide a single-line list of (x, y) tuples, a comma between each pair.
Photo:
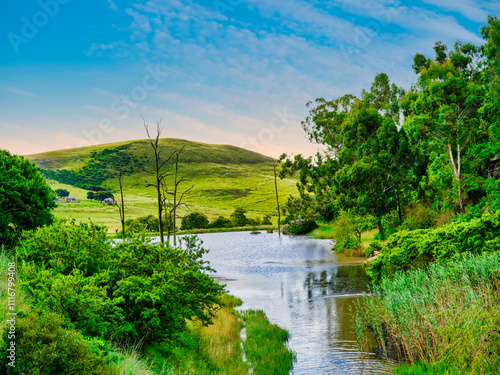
[(391, 148)]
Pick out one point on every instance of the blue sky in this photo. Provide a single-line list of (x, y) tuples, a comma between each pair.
[(74, 73)]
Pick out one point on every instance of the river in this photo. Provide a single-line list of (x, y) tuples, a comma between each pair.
[(303, 287)]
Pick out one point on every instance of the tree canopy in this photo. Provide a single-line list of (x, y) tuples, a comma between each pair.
[(389, 148), (26, 200)]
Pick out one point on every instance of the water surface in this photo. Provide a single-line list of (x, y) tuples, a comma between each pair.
[(303, 287)]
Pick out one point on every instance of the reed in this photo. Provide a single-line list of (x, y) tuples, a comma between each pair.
[(446, 315)]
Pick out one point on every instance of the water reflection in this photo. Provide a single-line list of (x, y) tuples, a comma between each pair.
[(304, 288)]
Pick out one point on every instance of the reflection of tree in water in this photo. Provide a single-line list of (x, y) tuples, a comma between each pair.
[(338, 280)]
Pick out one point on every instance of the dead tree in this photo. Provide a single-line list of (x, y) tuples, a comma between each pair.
[(158, 172), (177, 201), (275, 163), (121, 203)]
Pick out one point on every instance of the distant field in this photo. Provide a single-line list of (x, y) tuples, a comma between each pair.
[(223, 178)]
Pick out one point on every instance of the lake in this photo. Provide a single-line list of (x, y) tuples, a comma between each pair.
[(303, 287)]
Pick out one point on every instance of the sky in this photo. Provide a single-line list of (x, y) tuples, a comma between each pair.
[(239, 72)]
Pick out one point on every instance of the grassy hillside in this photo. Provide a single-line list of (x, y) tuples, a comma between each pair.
[(223, 178)]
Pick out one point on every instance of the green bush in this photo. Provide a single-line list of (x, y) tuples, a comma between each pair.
[(44, 346), (238, 217), (301, 226), (128, 292), (221, 222), (194, 220), (408, 249), (267, 220)]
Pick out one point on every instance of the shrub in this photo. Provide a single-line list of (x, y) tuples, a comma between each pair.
[(407, 249), (301, 226), (221, 222), (238, 217), (134, 291), (194, 220), (419, 217), (267, 220), (44, 346)]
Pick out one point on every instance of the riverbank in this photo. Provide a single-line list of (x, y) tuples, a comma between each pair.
[(256, 228), (212, 349), (219, 348), (445, 317)]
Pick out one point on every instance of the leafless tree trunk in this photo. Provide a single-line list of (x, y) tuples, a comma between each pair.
[(121, 204), (177, 201), (159, 173), (277, 198)]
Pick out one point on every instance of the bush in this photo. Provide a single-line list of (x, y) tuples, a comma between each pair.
[(44, 346), (419, 217), (194, 220), (238, 217), (301, 226), (407, 249), (267, 220), (130, 292), (221, 222)]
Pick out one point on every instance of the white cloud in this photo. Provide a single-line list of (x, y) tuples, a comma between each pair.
[(18, 91)]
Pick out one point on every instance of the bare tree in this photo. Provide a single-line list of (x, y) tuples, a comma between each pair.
[(121, 203), (275, 163), (158, 172), (177, 201)]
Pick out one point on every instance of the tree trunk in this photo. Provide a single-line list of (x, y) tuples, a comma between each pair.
[(122, 205), (457, 174), (277, 200)]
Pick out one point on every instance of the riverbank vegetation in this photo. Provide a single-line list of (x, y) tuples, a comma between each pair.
[(445, 316), (422, 166), (85, 305)]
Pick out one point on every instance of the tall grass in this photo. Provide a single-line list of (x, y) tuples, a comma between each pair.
[(265, 345), (445, 314), (130, 362), (215, 349)]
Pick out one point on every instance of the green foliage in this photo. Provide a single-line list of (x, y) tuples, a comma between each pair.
[(444, 315), (407, 249), (44, 346), (221, 222), (142, 224), (168, 286), (26, 200), (265, 346), (194, 220), (419, 217), (62, 192), (128, 292), (238, 217), (422, 368), (300, 226), (266, 220), (372, 248), (348, 229)]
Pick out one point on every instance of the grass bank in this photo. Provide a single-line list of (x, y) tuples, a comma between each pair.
[(213, 349), (445, 316), (265, 345)]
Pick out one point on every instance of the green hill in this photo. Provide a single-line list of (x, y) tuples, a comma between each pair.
[(223, 178)]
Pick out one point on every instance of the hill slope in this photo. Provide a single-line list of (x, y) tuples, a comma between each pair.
[(223, 178)]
